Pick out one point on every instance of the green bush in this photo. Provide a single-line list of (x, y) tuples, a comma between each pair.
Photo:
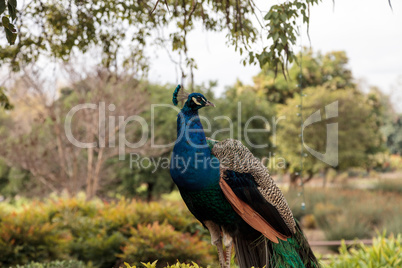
[(385, 253), (29, 236), (154, 264), (54, 264), (163, 242), (94, 232)]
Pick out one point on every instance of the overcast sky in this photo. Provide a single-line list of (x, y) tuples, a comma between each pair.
[(368, 30)]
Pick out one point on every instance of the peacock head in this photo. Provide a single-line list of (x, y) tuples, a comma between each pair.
[(194, 101)]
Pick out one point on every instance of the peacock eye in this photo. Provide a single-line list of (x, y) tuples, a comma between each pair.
[(199, 99)]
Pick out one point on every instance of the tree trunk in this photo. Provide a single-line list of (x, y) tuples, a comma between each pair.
[(150, 190), (96, 175), (293, 180), (89, 174)]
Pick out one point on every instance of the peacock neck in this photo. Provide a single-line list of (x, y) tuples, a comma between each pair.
[(190, 130), (192, 165)]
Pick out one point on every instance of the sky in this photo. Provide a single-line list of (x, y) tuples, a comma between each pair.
[(368, 30)]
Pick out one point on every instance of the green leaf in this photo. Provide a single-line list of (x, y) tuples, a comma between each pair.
[(10, 36), (2, 6), (12, 8), (4, 101), (268, 16), (276, 36), (6, 21)]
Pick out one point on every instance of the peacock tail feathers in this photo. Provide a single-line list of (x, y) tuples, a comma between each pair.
[(293, 253)]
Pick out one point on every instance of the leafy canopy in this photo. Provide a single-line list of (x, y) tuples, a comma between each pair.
[(122, 29)]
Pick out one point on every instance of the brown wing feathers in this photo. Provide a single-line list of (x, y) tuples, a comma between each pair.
[(233, 155), (249, 215)]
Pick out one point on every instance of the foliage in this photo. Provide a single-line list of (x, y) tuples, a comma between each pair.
[(349, 214), (282, 20), (144, 175), (242, 114), (153, 265), (98, 233), (67, 26), (4, 101), (395, 162), (30, 236), (329, 71), (393, 133), (76, 159), (162, 242), (380, 162), (54, 264), (386, 252), (8, 23), (12, 180), (358, 135), (390, 186)]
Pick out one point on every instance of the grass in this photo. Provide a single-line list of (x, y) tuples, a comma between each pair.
[(392, 186), (350, 213)]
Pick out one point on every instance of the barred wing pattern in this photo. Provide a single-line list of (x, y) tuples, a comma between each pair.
[(247, 185)]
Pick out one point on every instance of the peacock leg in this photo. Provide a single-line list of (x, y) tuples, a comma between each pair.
[(228, 242), (216, 240)]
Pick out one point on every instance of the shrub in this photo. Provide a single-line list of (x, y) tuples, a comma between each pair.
[(385, 253), (28, 236), (153, 265), (54, 264), (160, 241), (94, 232), (350, 214), (338, 224), (395, 162), (99, 248), (393, 186), (309, 222), (124, 213)]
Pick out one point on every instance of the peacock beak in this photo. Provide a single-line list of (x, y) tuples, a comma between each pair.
[(208, 103)]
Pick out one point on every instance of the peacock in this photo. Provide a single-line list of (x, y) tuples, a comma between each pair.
[(232, 194)]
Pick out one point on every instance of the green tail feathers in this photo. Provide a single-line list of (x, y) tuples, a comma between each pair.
[(293, 253)]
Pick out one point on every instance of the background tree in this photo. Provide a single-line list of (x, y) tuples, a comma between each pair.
[(42, 147), (326, 77), (329, 71), (152, 178), (358, 134), (248, 116), (393, 134)]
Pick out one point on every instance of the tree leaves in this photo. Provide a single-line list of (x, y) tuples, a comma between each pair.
[(9, 27), (2, 6), (104, 23), (4, 102), (12, 8), (281, 21)]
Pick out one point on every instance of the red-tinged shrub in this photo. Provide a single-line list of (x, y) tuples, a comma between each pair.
[(163, 243)]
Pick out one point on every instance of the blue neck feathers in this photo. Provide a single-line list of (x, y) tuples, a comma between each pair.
[(192, 165)]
